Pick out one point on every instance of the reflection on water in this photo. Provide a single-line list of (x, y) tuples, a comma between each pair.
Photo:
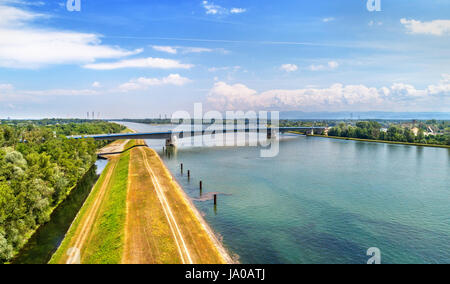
[(323, 200), (49, 236), (100, 166)]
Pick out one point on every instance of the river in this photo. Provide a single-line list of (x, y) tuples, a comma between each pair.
[(322, 200)]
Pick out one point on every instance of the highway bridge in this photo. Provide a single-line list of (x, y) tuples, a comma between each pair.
[(172, 136)]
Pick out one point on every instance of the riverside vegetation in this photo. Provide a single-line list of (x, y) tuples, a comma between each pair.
[(372, 130), (38, 169)]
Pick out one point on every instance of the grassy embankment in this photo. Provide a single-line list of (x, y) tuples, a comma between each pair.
[(98, 229), (148, 235), (195, 239), (51, 210), (383, 141), (137, 213)]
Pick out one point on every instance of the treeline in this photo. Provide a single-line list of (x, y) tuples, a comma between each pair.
[(149, 121), (47, 121), (372, 130), (86, 128), (301, 123), (38, 168)]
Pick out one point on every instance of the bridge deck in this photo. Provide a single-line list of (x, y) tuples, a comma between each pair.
[(187, 133)]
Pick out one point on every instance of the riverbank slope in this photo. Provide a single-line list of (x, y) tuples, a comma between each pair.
[(137, 213), (162, 225), (96, 235)]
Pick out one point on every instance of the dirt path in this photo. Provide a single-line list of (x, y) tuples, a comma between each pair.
[(114, 147), (185, 255), (162, 225), (196, 241), (148, 235), (84, 229)]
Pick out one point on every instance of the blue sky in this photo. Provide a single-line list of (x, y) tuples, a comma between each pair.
[(144, 58)]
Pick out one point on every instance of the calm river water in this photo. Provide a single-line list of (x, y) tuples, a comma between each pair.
[(322, 200)]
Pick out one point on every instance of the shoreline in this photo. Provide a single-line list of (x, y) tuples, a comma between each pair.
[(210, 232), (223, 252), (53, 211), (383, 141), (30, 234), (101, 179)]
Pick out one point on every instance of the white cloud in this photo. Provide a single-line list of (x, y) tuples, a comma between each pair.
[(289, 67), (316, 67), (144, 83), (238, 10), (213, 9), (195, 49), (326, 20), (23, 46), (333, 64), (445, 78), (20, 2), (230, 97), (60, 92), (6, 87), (167, 49), (330, 66), (14, 17), (183, 49), (373, 23), (336, 97), (436, 27), (225, 68), (33, 95), (442, 87), (8, 94), (150, 62)]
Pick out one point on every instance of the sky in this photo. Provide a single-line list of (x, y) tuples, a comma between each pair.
[(135, 59)]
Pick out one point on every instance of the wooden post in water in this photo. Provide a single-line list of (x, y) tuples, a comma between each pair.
[(215, 199), (189, 174), (201, 185), (181, 168)]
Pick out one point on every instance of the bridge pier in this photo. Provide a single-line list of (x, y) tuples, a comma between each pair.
[(172, 141), (310, 132), (271, 134)]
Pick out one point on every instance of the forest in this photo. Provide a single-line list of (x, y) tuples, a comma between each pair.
[(38, 168), (395, 132)]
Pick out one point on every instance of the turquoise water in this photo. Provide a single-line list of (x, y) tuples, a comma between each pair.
[(323, 200)]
